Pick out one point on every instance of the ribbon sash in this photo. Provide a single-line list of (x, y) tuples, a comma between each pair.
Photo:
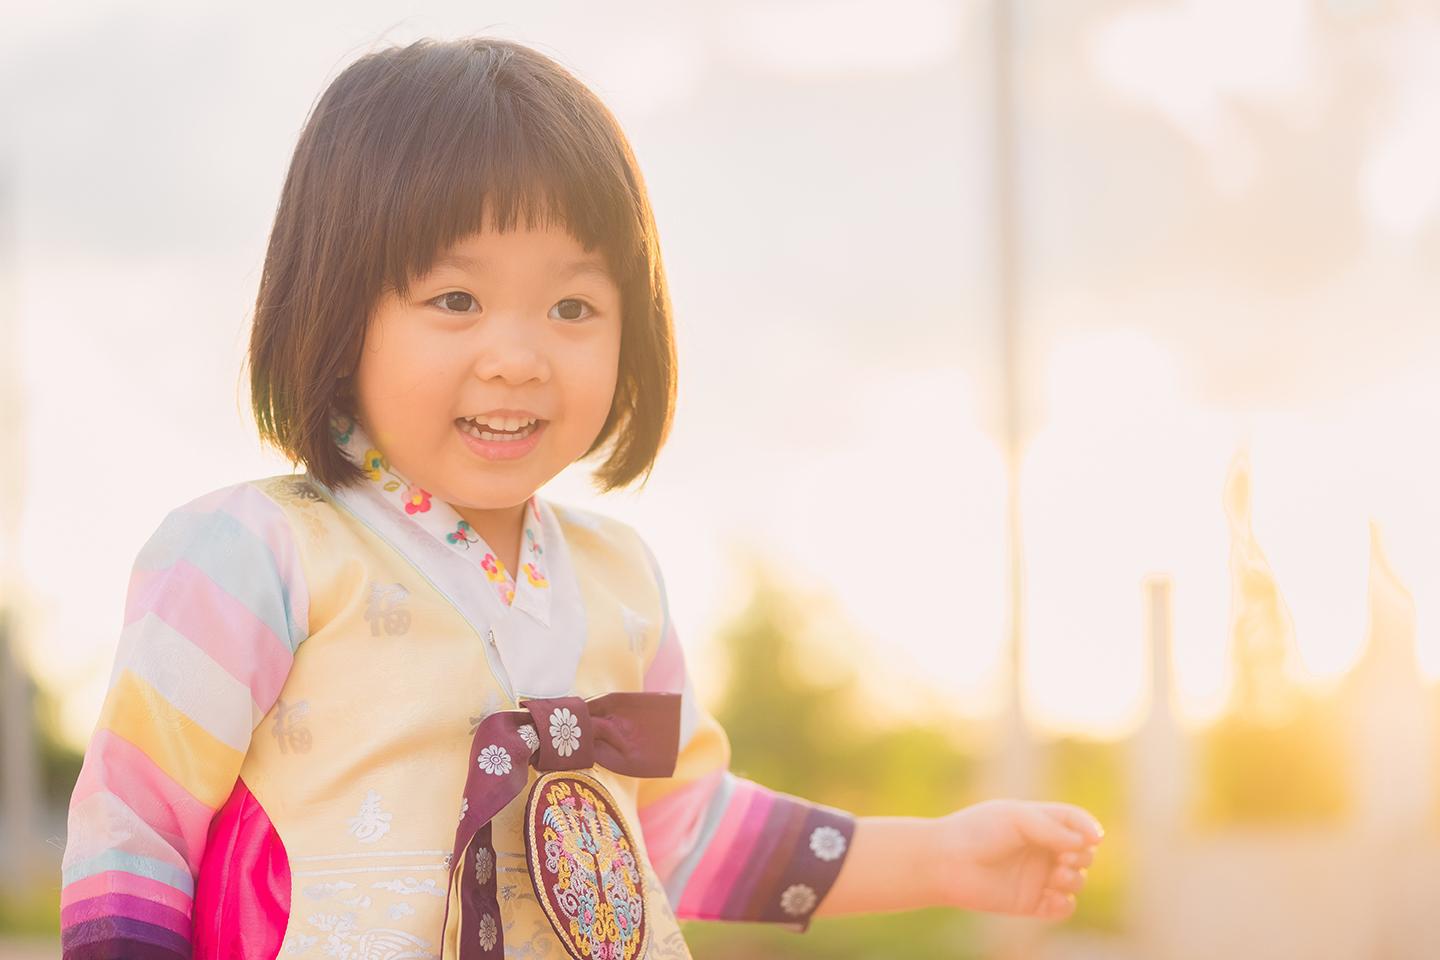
[(632, 734)]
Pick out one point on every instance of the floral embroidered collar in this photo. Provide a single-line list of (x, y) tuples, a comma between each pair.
[(532, 634), (441, 521)]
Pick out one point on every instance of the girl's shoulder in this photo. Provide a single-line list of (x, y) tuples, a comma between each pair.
[(241, 528), (606, 542), (237, 542), (586, 530), (251, 511)]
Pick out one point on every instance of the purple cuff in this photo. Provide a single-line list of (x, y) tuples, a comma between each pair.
[(121, 938), (794, 862)]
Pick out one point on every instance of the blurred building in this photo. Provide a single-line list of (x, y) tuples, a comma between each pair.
[(1301, 823)]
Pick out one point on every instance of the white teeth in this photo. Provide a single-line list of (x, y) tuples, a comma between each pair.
[(498, 428), (502, 424)]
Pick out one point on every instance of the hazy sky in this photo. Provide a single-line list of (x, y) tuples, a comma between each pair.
[(1229, 237)]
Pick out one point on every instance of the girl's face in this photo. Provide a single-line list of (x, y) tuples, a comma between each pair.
[(496, 370)]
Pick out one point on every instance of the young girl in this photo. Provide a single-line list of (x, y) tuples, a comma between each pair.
[(397, 706)]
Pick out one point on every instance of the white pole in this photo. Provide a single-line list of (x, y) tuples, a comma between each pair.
[(1017, 775)]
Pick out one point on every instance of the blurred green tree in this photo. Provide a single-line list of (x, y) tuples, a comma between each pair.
[(802, 727)]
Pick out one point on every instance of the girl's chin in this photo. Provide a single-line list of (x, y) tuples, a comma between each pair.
[(486, 487), (489, 500)]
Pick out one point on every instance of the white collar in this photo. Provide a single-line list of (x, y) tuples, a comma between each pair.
[(534, 644)]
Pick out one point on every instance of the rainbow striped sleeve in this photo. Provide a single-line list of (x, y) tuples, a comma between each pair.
[(727, 848), (216, 607)]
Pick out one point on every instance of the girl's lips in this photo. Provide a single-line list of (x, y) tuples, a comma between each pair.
[(504, 449)]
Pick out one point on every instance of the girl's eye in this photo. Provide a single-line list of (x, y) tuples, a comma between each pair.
[(570, 310), (456, 302)]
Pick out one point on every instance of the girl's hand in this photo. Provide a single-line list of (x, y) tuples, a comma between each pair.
[(1016, 857), (1000, 856)]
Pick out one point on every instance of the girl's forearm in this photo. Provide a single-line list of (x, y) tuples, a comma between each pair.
[(892, 865)]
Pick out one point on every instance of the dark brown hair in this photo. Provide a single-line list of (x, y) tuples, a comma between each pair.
[(410, 150)]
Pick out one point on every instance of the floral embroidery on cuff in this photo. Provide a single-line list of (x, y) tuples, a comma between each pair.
[(827, 843), (565, 729), (797, 899), (494, 760), (531, 738), (464, 807)]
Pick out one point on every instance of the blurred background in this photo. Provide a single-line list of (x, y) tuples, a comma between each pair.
[(1059, 415)]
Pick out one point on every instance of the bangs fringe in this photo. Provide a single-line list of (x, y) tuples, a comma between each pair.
[(503, 150)]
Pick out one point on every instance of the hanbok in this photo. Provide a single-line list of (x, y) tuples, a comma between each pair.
[(314, 687)]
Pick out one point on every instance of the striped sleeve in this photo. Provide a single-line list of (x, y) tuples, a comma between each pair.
[(217, 605), (726, 848)]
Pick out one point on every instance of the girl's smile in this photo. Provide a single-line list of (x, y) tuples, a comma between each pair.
[(493, 372), (501, 435)]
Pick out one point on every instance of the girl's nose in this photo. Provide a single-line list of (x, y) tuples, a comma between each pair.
[(509, 349)]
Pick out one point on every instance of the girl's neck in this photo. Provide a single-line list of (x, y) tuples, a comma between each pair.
[(500, 529)]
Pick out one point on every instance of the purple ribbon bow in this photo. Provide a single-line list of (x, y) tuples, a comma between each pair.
[(632, 734)]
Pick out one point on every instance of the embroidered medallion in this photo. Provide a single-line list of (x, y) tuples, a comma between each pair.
[(584, 865)]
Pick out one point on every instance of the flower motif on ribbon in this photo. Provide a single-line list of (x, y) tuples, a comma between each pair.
[(494, 760), (827, 843), (797, 899), (464, 807), (484, 863), (531, 738), (416, 500), (565, 731), (486, 932)]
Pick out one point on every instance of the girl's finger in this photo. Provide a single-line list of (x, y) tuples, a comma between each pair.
[(1066, 880), (1077, 819), (1077, 859), (1054, 906), (1039, 827)]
